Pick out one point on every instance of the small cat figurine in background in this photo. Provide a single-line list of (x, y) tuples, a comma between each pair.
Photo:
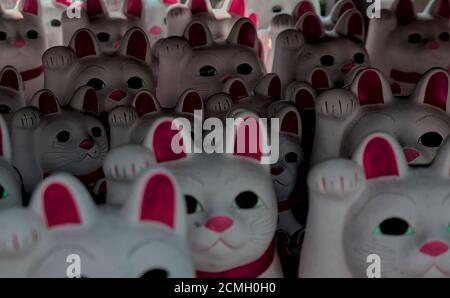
[(54, 139), (420, 123), (200, 63), (404, 44), (156, 17), (12, 95), (108, 26), (376, 205), (145, 238), (117, 77), (23, 42)]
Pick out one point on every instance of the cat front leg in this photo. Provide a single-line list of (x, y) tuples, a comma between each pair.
[(121, 121)]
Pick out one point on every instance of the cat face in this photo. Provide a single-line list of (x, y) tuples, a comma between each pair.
[(133, 241), (156, 18), (422, 38), (117, 78), (52, 12), (109, 27), (11, 95)]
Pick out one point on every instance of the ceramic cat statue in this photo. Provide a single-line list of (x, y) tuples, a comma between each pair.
[(231, 222), (420, 122), (53, 139), (322, 58), (108, 26), (145, 238), (401, 36), (12, 95), (200, 63), (23, 41), (376, 205), (117, 77)]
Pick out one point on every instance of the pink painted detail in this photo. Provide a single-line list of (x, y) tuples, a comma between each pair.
[(237, 7), (434, 248), (94, 8), (87, 144), (59, 206), (411, 154), (47, 103), (90, 102), (437, 90), (238, 91), (302, 8), (277, 170), (254, 18), (405, 11), (117, 44), (275, 87), (170, 2), (137, 45), (219, 224), (370, 89), (31, 7), (443, 8), (9, 79), (84, 45), (117, 95), (155, 30), (289, 123), (192, 102), (347, 67), (135, 8), (395, 88), (197, 35), (304, 100), (355, 25), (319, 79), (145, 104), (379, 159), (198, 6), (161, 143), (19, 43), (433, 45), (159, 201), (247, 35), (312, 28)]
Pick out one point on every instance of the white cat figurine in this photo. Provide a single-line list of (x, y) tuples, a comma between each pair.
[(12, 95)]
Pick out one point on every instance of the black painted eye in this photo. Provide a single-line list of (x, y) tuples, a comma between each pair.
[(96, 131), (3, 193), (208, 71), (95, 83), (394, 227), (431, 139), (327, 60), (135, 83), (247, 200), (244, 69), (291, 157), (103, 37), (444, 36), (63, 136), (55, 23), (415, 38), (155, 274), (193, 205), (4, 109), (359, 58), (32, 34), (277, 8), (3, 35), (165, 21)]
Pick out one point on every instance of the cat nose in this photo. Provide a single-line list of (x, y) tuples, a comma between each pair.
[(117, 44), (19, 43), (347, 67), (155, 30), (87, 144), (277, 170), (117, 95), (434, 248), (219, 223), (433, 45), (411, 154)]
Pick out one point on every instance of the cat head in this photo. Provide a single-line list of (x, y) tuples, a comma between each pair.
[(409, 36), (11, 92), (156, 17), (117, 78)]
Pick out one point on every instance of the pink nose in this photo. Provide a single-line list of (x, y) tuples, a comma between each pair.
[(410, 154), (433, 45), (219, 224), (155, 30), (347, 67), (19, 43), (117, 95), (87, 144), (277, 170), (434, 248), (117, 44)]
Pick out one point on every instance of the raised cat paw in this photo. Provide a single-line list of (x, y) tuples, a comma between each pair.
[(290, 39), (336, 103), (219, 103), (336, 178), (26, 118), (128, 162), (122, 116), (173, 47), (58, 58)]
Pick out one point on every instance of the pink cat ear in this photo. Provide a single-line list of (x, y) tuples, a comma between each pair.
[(439, 8), (10, 78), (170, 2), (198, 6), (371, 87), (249, 137), (189, 102), (145, 103), (46, 101), (290, 121), (30, 7), (84, 43), (198, 35), (302, 96), (302, 8), (85, 99), (135, 44), (404, 11), (269, 86), (237, 7), (340, 8), (244, 33), (253, 17), (5, 141), (134, 8), (433, 89), (95, 8), (236, 88), (320, 79), (311, 26), (380, 155), (62, 3), (351, 24)]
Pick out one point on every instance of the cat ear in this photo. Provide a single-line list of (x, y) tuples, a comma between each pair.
[(433, 89), (62, 200), (236, 7), (198, 35), (371, 87), (5, 141), (320, 79), (146, 103), (62, 3), (156, 198), (290, 121), (441, 162), (189, 102), (351, 24), (135, 43), (381, 155), (134, 8), (236, 88), (270, 86), (85, 100), (311, 26), (439, 8), (340, 8), (302, 95), (46, 101), (170, 2), (30, 6), (11, 78), (198, 6), (244, 33), (95, 8), (84, 43), (301, 8), (404, 11)]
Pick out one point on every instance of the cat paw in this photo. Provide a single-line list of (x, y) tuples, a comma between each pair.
[(173, 47), (122, 116), (282, 22), (127, 162), (58, 58), (26, 118), (336, 178), (337, 103), (290, 39), (219, 103)]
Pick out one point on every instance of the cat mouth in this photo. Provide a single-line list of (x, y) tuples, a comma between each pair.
[(280, 183), (437, 268), (217, 242)]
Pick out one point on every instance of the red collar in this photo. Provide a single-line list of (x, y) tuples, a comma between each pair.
[(30, 74), (251, 270), (405, 77), (90, 178)]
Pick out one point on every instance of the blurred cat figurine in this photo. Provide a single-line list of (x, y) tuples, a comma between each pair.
[(22, 43), (156, 18), (54, 139), (145, 238), (117, 77), (402, 36), (377, 205), (12, 95), (420, 122)]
